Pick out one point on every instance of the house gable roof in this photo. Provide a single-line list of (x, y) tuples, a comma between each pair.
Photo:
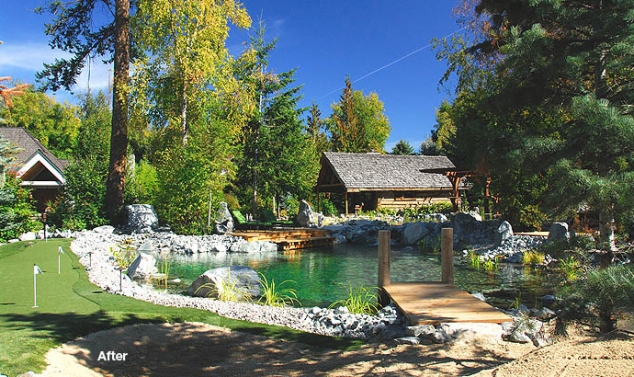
[(34, 163), (372, 172)]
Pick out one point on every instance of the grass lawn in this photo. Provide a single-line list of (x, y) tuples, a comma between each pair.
[(69, 306)]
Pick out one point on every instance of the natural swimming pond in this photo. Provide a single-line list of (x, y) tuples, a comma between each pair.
[(323, 276)]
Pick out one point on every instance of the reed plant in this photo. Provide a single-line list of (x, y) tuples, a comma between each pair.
[(360, 300), (226, 289), (277, 295), (490, 265), (165, 263), (474, 258), (532, 257)]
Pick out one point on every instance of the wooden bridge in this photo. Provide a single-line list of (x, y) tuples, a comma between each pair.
[(432, 303)]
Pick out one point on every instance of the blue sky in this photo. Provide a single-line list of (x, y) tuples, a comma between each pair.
[(383, 45)]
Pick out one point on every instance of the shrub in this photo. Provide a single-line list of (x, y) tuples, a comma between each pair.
[(360, 300), (123, 255), (16, 210), (81, 204), (142, 184), (570, 268), (597, 298), (328, 208)]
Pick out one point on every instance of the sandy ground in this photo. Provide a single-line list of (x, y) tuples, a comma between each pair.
[(193, 349)]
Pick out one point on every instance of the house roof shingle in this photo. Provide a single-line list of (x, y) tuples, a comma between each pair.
[(373, 171), (29, 146)]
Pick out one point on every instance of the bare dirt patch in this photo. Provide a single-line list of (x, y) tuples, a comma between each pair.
[(193, 349)]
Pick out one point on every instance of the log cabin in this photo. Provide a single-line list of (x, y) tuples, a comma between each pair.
[(370, 181)]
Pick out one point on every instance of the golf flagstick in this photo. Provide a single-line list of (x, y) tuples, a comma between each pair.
[(60, 251), (36, 271)]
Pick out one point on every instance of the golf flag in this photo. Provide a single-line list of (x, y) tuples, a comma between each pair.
[(36, 271), (59, 261)]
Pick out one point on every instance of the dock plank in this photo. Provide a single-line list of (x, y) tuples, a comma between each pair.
[(434, 303)]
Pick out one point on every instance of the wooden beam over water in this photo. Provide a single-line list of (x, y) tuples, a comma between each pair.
[(432, 303), (435, 303)]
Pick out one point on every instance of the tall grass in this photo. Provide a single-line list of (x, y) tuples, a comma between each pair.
[(277, 295), (165, 264), (474, 258), (226, 289), (531, 257), (360, 300)]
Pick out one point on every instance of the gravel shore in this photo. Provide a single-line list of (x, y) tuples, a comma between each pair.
[(94, 251)]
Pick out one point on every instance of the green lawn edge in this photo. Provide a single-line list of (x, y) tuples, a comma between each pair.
[(70, 306)]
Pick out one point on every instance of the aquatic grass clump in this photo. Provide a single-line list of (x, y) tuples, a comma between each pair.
[(532, 257), (277, 295), (474, 258), (226, 289), (429, 244), (490, 265), (165, 263), (360, 300)]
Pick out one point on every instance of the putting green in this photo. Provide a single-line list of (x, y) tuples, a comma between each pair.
[(70, 306)]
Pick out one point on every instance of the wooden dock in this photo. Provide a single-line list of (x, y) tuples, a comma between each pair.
[(435, 303), (290, 238), (432, 303)]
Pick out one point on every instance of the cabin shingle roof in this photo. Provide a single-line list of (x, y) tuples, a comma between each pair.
[(373, 171), (28, 147)]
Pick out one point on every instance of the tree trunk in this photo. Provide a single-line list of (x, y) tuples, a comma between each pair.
[(115, 187), (184, 127), (606, 231)]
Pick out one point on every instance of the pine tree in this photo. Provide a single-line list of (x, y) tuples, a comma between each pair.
[(558, 112), (403, 148), (72, 30)]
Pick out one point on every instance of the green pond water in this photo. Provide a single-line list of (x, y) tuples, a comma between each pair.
[(323, 276)]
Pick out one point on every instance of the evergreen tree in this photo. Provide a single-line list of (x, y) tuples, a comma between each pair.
[(277, 157), (73, 30), (316, 128), (7, 150), (558, 111), (403, 148)]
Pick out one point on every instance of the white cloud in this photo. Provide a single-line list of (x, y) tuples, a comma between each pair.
[(30, 57)]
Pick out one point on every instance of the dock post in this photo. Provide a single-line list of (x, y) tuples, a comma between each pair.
[(384, 266), (446, 248)]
